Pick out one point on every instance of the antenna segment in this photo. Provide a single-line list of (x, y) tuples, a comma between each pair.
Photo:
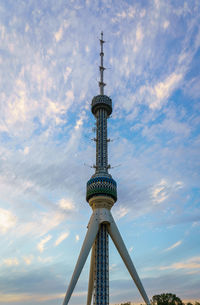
[(101, 67)]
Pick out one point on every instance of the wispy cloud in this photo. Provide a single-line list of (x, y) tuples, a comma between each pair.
[(163, 90), (7, 298), (7, 220), (47, 259), (175, 245), (28, 259), (22, 297), (60, 239), (59, 34), (191, 263), (41, 223), (65, 204), (121, 212), (42, 243), (160, 192), (11, 261)]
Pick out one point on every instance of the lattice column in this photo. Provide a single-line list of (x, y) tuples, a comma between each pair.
[(101, 142), (101, 268)]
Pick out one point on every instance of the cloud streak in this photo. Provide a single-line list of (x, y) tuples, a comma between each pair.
[(175, 245), (60, 239), (191, 263), (7, 220), (43, 242)]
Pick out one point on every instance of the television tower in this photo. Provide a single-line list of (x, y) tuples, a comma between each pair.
[(101, 194)]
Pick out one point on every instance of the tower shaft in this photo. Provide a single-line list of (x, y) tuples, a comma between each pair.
[(101, 108), (101, 141), (101, 184), (101, 268)]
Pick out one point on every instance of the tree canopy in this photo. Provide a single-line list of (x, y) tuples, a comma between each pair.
[(166, 299)]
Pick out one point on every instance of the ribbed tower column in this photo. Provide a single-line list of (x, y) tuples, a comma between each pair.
[(101, 184), (101, 265), (101, 268), (101, 143)]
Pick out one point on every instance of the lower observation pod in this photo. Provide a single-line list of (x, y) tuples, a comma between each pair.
[(99, 186)]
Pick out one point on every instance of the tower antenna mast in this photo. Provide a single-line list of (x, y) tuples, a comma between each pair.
[(101, 67), (101, 194)]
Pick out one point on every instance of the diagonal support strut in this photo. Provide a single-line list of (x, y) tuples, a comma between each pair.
[(91, 277), (99, 216), (118, 241), (93, 228)]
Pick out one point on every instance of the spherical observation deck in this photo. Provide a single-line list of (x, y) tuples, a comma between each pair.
[(99, 186), (101, 101)]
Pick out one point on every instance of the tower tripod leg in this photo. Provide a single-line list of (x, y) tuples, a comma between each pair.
[(91, 276), (118, 241), (93, 228)]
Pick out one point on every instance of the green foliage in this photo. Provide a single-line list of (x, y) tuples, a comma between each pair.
[(166, 299)]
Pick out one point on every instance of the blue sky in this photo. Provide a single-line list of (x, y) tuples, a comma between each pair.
[(49, 56)]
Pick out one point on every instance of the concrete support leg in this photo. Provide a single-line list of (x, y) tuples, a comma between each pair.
[(91, 277), (93, 228), (118, 241)]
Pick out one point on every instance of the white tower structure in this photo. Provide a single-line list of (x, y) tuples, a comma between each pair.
[(101, 195)]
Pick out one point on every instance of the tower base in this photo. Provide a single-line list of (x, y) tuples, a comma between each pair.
[(100, 225)]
